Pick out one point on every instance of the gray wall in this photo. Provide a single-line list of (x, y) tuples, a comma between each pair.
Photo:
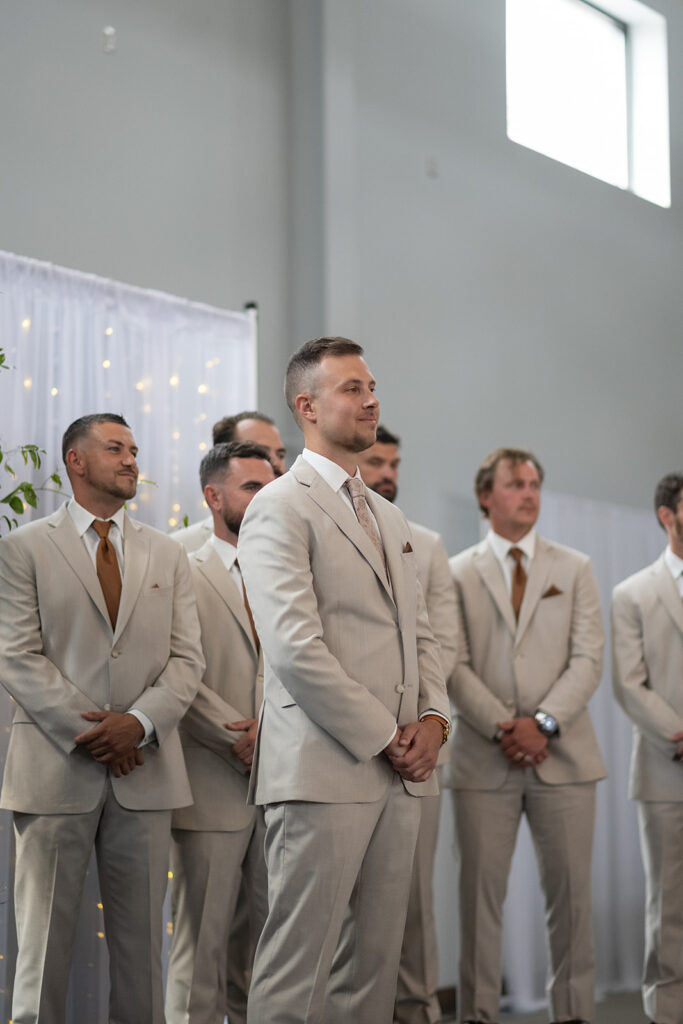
[(345, 163)]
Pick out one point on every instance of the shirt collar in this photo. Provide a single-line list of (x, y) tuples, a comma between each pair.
[(226, 551), (673, 562), (83, 519), (331, 472), (501, 546)]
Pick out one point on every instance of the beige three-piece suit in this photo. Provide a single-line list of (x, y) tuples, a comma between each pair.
[(550, 659), (647, 664), (58, 657), (348, 654), (218, 841), (418, 973)]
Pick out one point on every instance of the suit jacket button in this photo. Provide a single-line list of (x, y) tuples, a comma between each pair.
[(115, 654), (400, 688), (107, 707)]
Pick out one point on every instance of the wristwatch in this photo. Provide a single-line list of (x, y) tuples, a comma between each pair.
[(446, 726), (546, 723)]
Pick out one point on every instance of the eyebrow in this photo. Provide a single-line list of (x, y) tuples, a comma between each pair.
[(357, 380)]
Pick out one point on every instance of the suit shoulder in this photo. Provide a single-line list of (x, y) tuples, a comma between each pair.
[(634, 584), (562, 551), (424, 534), (463, 560)]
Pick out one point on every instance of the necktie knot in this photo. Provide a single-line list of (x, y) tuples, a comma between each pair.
[(516, 554), (102, 527), (355, 487)]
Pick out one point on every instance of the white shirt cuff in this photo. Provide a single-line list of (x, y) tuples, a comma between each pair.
[(389, 740), (146, 724), (431, 711)]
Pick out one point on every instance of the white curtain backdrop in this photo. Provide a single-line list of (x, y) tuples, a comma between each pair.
[(619, 541), (82, 344)]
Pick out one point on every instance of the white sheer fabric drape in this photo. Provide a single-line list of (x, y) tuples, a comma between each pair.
[(619, 541), (81, 344)]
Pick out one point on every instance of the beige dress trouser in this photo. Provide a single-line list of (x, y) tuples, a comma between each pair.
[(561, 822), (53, 851), (323, 858)]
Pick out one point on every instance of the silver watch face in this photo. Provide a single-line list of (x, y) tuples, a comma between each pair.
[(546, 722)]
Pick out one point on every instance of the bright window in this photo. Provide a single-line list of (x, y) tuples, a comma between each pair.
[(587, 86)]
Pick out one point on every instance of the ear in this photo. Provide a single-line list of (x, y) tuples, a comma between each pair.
[(665, 516), (75, 462), (305, 406), (212, 498), (484, 498)]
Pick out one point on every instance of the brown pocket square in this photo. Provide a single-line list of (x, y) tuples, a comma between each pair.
[(551, 592), (407, 548), (155, 586)]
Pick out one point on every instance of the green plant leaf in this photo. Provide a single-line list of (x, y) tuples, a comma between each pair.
[(56, 479), (29, 494), (16, 504)]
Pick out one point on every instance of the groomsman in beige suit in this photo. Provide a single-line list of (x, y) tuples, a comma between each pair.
[(355, 708), (244, 426), (100, 649), (218, 841), (418, 973), (530, 646), (647, 663)]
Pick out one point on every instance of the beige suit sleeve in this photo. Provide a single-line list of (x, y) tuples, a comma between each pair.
[(630, 676), (571, 691), (36, 684), (205, 721), (439, 595), (169, 697), (275, 563), (472, 698)]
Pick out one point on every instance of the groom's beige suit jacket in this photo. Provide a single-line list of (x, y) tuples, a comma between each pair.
[(348, 655)]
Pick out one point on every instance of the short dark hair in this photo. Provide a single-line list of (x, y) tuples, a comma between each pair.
[(483, 481), (226, 429), (668, 492), (81, 427), (298, 374), (385, 436), (216, 462)]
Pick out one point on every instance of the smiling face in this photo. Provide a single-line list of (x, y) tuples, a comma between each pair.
[(379, 468), (102, 467), (514, 501), (339, 414)]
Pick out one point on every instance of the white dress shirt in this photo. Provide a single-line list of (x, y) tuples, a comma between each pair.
[(501, 548), (83, 521), (675, 567), (227, 553)]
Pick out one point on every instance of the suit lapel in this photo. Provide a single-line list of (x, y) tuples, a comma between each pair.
[(490, 571), (64, 535), (135, 558), (667, 591), (337, 509), (210, 564), (539, 572)]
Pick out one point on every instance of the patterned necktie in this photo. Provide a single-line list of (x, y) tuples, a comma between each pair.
[(107, 566), (356, 489), (518, 580), (247, 608)]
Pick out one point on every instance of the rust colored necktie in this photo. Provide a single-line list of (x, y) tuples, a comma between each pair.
[(247, 607), (518, 580), (356, 489), (108, 571)]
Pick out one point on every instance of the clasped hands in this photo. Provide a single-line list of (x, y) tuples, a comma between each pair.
[(522, 742), (113, 741), (415, 748), (244, 746)]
